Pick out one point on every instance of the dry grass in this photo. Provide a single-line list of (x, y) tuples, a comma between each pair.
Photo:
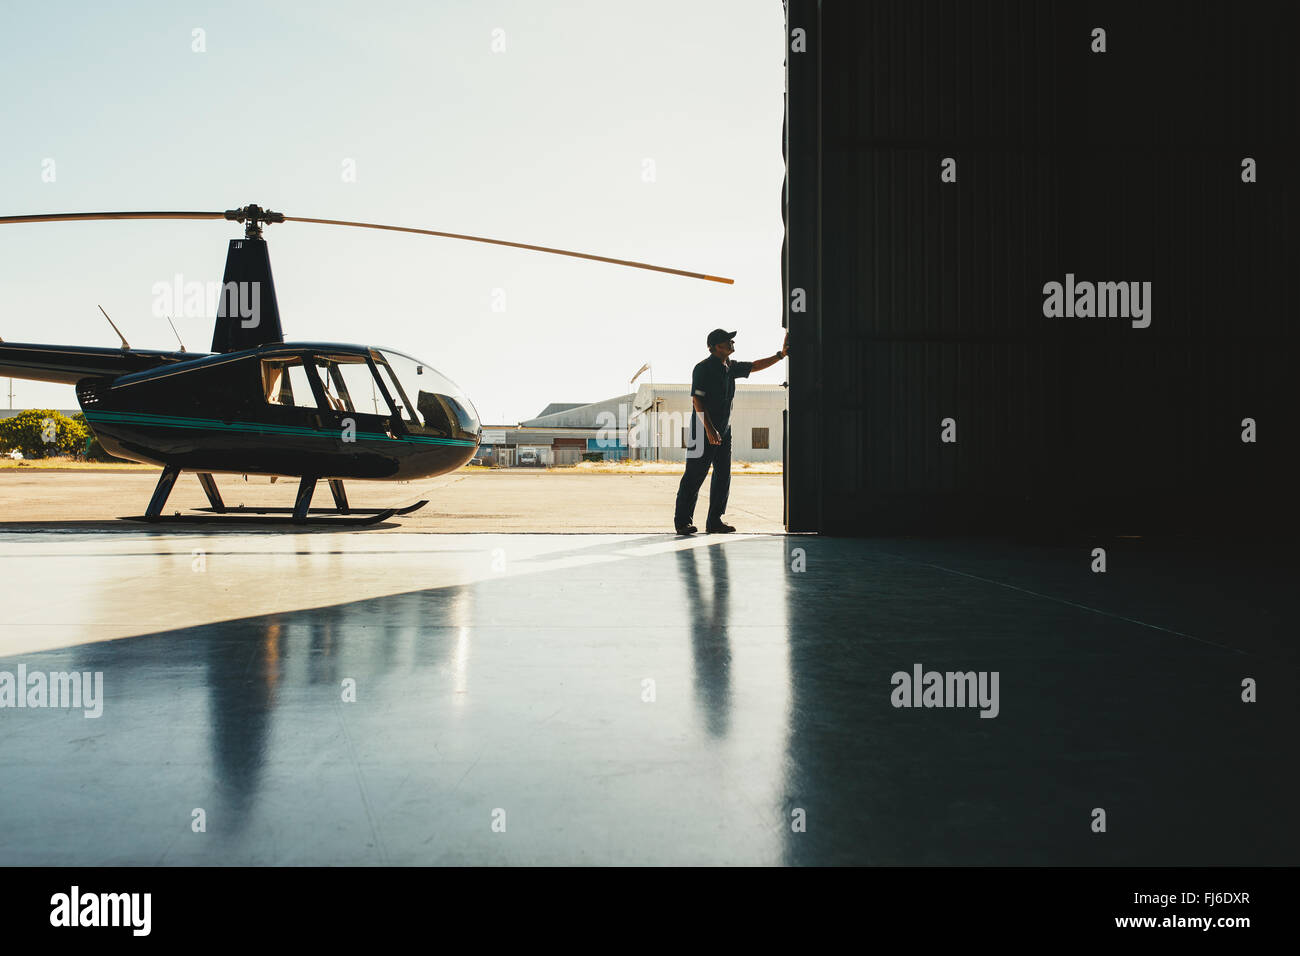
[(71, 464), (666, 467)]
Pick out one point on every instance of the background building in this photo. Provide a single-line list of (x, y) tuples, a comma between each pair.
[(650, 424), (511, 446), (660, 417), (561, 435)]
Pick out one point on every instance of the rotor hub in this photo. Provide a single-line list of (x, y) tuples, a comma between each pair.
[(252, 217)]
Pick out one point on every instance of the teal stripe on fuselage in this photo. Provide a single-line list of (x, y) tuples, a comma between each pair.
[(260, 428)]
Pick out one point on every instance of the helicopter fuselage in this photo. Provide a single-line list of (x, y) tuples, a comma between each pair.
[(324, 410)]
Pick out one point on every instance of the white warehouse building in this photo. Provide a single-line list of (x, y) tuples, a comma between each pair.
[(659, 421)]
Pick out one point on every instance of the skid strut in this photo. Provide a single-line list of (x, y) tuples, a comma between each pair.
[(340, 496), (306, 487), (160, 492), (210, 489)]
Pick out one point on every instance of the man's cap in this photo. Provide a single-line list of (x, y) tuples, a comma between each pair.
[(720, 335)]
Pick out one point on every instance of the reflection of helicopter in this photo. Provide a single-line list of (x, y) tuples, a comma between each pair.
[(259, 405)]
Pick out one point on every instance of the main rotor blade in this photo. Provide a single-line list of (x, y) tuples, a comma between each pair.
[(256, 215), (515, 245), (69, 216)]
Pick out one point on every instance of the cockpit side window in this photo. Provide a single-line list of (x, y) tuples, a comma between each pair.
[(350, 385), (404, 408), (285, 382)]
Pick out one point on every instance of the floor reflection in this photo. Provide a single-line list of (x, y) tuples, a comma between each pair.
[(241, 699), (707, 603)]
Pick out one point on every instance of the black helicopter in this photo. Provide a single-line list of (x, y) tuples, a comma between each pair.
[(259, 405)]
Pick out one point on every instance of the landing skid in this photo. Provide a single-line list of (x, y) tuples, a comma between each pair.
[(301, 513), (241, 516), (242, 510)]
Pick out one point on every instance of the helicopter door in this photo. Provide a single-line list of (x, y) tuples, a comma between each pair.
[(352, 393), (290, 397)]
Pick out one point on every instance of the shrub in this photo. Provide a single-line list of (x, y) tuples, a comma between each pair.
[(42, 432), (91, 449)]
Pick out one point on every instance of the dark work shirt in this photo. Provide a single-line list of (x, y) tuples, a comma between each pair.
[(714, 384)]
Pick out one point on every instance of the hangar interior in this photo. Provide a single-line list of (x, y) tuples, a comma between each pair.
[(947, 160)]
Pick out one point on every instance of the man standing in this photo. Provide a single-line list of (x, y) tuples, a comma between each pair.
[(713, 385)]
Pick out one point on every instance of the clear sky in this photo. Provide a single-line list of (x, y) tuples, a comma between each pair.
[(545, 142)]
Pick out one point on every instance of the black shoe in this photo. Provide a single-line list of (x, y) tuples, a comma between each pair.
[(686, 529), (719, 528)]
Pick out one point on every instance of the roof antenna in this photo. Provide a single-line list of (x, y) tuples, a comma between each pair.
[(175, 333), (125, 347)]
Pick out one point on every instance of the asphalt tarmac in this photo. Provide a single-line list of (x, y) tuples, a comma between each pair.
[(515, 500)]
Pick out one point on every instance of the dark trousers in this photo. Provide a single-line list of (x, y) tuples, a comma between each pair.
[(697, 466)]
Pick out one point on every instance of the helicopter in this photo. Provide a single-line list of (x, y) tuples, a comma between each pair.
[(258, 405)]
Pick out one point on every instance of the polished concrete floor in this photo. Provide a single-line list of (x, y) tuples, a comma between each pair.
[(622, 699)]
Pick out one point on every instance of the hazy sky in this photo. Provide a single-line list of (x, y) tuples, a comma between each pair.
[(544, 142)]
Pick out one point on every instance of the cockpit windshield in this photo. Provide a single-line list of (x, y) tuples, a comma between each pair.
[(428, 400)]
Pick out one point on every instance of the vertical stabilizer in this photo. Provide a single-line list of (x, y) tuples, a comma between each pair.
[(247, 312)]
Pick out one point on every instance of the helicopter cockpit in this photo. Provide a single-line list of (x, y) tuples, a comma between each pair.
[(425, 400), (429, 401)]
